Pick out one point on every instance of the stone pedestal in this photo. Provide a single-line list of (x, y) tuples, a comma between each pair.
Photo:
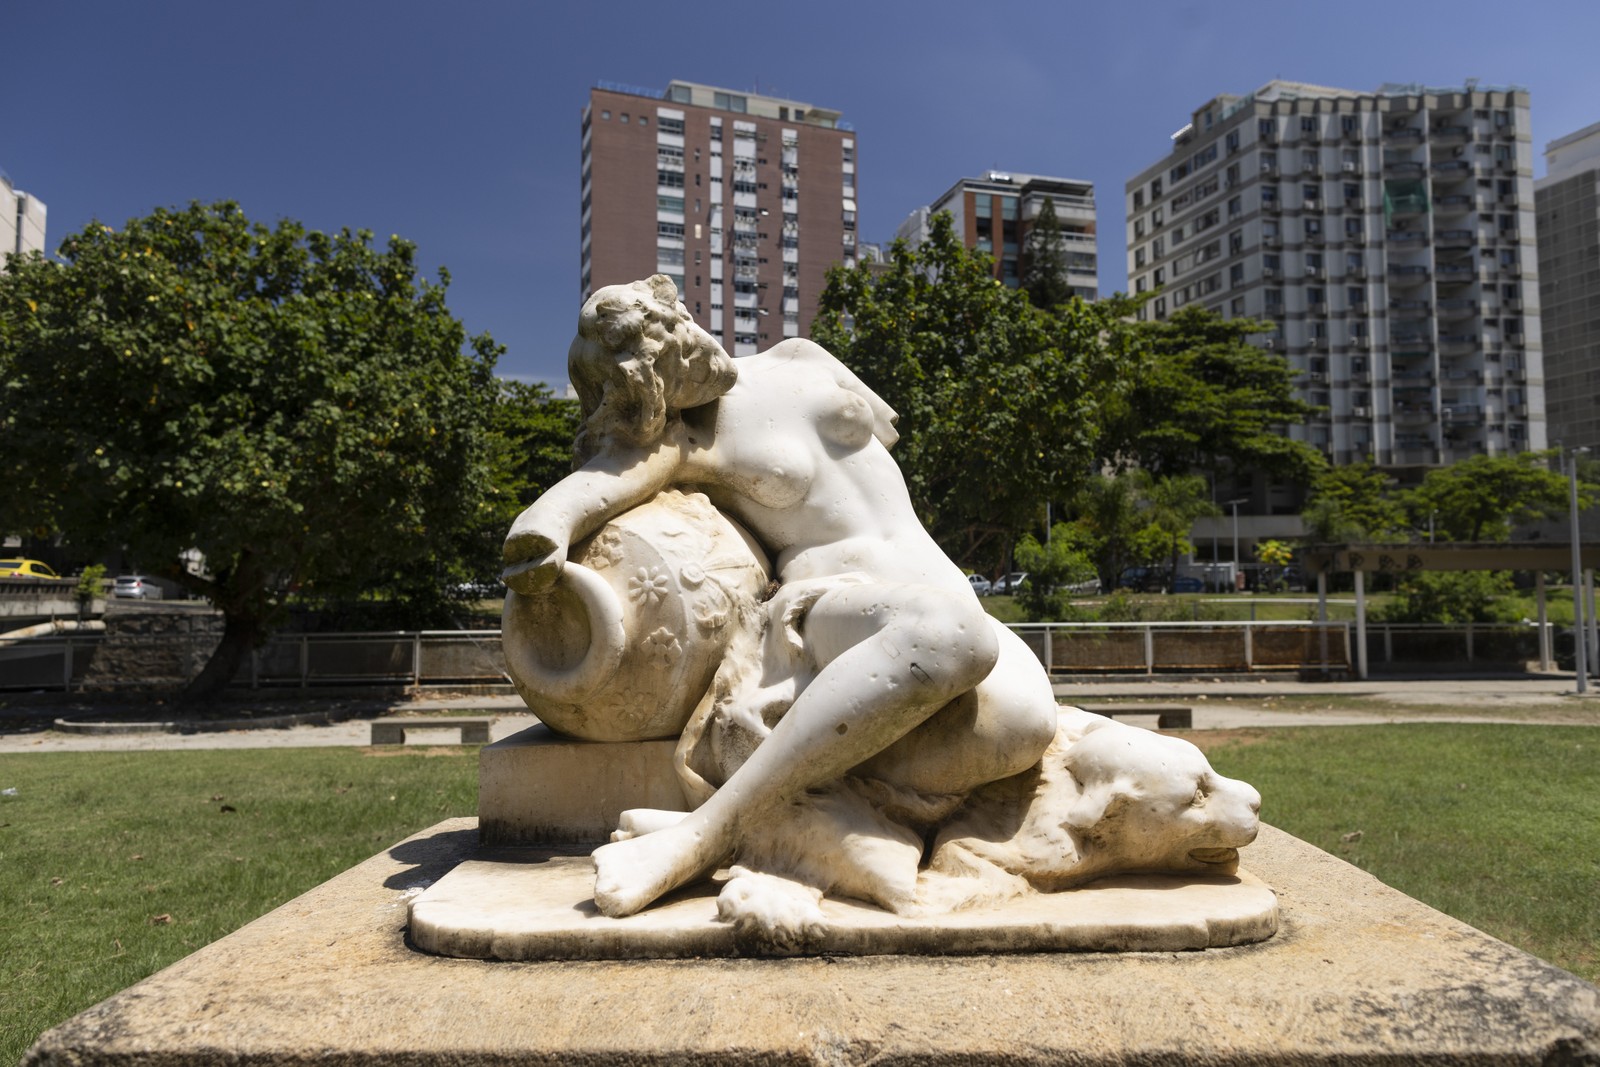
[(536, 787), (1358, 974)]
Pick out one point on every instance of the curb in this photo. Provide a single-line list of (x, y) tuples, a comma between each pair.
[(265, 722)]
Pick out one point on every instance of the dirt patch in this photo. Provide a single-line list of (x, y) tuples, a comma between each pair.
[(1207, 740)]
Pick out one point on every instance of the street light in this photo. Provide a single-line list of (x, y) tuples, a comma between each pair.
[(1579, 632), (1234, 504)]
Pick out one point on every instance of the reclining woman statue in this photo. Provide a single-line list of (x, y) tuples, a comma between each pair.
[(909, 682)]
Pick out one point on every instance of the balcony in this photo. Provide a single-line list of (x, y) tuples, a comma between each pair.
[(1455, 239), (1510, 200), (1457, 308), (1350, 168), (1412, 413), (1353, 203), (1457, 344), (1409, 309), (1314, 237), (1408, 275), (1505, 166), (1270, 205), (1452, 134), (1359, 341), (1456, 272), (1402, 168), (1403, 135), (1453, 204), (1453, 168), (1355, 237), (1271, 240), (1268, 167), (1402, 237), (1311, 203)]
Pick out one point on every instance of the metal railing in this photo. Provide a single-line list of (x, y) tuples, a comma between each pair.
[(422, 658), (1153, 647)]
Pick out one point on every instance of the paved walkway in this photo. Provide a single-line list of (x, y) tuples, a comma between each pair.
[(1220, 703)]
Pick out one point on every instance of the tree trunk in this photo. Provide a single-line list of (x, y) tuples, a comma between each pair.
[(240, 635)]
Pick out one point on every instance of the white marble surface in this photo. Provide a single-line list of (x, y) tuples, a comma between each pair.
[(853, 711)]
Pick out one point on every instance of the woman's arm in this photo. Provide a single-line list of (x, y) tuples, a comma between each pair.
[(613, 481)]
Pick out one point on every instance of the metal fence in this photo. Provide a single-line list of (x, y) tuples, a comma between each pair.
[(473, 657), (1155, 647)]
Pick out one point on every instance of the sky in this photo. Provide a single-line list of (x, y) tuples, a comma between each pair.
[(456, 125)]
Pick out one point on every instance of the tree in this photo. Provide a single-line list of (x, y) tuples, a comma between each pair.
[(299, 407), (1044, 260), (998, 401), (1482, 497), (530, 449), (1066, 559), (1453, 597), (1172, 505), (1202, 398), (1353, 502)]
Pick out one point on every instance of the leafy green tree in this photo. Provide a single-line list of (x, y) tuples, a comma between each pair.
[(1201, 398), (998, 401), (1173, 503), (1453, 597), (530, 449), (300, 407), (1044, 260), (1482, 497), (1353, 502), (1111, 508), (1066, 559)]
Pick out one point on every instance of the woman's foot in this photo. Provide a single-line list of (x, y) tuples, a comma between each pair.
[(630, 875)]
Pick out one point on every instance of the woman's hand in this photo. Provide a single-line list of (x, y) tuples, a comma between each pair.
[(533, 561)]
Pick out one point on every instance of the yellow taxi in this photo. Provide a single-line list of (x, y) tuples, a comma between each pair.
[(25, 568)]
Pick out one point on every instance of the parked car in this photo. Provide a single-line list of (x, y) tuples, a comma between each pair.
[(1188, 584), (980, 584), (26, 568), (136, 586), (1011, 583)]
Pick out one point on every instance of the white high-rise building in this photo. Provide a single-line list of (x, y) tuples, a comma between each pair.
[(1389, 238), (1568, 199), (22, 219)]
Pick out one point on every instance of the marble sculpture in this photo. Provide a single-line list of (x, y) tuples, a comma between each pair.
[(735, 561)]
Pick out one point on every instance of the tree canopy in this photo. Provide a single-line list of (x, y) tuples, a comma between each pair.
[(1202, 398), (300, 407), (1482, 497), (998, 401), (1044, 260)]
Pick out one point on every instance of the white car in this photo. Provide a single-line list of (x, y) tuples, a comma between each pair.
[(980, 584), (136, 586)]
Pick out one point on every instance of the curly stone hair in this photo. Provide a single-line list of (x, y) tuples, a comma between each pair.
[(637, 361)]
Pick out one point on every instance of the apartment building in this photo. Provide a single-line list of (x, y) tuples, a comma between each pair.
[(745, 200), (995, 213), (22, 220), (1567, 204), (1388, 236)]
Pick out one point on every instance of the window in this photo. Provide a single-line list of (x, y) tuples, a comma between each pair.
[(622, 116), (1352, 191), (605, 114), (1232, 141), (671, 126), (1355, 296), (1310, 160), (1310, 193), (1236, 306), (670, 229), (1235, 242), (1349, 123), (1235, 207), (670, 179), (728, 102), (1160, 276), (1236, 275), (1308, 124), (1138, 258), (673, 204), (1269, 196), (1313, 227), (644, 120), (1316, 296), (716, 131), (1138, 199), (1266, 129)]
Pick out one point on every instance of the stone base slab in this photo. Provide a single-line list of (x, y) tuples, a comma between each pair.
[(1358, 974), (536, 787), (530, 905)]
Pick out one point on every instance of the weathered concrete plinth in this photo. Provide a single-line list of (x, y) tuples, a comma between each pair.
[(1358, 974), (524, 904)]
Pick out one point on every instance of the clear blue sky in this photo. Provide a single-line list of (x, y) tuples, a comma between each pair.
[(456, 125)]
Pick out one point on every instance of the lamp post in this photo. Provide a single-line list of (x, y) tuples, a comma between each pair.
[(1234, 504), (1580, 651)]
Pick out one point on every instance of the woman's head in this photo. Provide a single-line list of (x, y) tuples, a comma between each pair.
[(638, 358)]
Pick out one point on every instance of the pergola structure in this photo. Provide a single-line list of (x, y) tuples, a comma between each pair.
[(1361, 559)]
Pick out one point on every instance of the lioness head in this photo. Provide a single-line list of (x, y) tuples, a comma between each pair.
[(1149, 802)]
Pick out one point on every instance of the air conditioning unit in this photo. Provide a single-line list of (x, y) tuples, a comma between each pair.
[(1269, 343), (1318, 377), (1350, 168), (1313, 272), (1361, 412), (1269, 272)]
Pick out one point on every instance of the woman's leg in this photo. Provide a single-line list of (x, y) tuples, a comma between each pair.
[(998, 729), (890, 656)]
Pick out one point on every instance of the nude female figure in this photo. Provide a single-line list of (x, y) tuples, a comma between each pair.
[(916, 684)]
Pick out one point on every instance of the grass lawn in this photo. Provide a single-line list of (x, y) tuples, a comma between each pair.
[(117, 864), (1497, 825)]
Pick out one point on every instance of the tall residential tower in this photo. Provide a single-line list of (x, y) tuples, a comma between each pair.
[(995, 212), (745, 200), (22, 219), (1568, 200), (1388, 236)]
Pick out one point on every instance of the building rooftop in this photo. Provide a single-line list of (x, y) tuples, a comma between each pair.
[(732, 100)]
